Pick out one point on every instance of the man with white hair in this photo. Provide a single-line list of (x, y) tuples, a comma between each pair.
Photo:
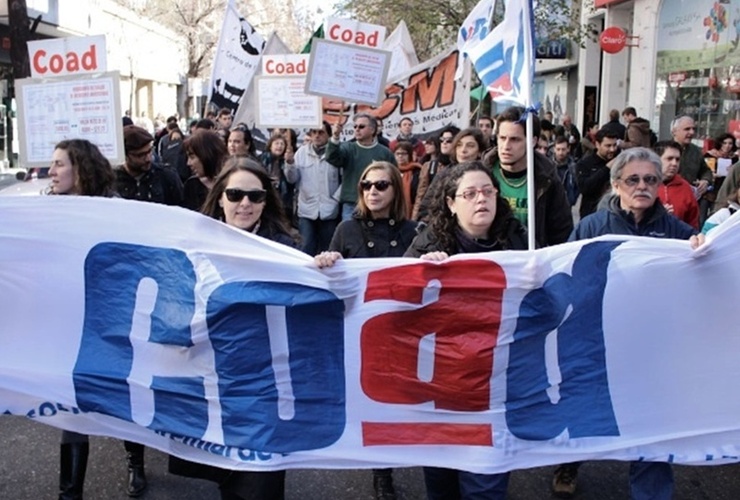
[(693, 168), (634, 209)]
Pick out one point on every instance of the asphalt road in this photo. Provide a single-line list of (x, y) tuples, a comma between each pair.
[(29, 467)]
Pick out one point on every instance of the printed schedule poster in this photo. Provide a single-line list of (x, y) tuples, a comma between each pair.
[(282, 102), (348, 72), (69, 107)]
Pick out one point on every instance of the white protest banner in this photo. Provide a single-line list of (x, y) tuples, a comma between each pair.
[(67, 56), (69, 107), (236, 59), (179, 332), (281, 102), (347, 72), (429, 94)]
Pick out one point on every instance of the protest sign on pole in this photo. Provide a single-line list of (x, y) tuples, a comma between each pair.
[(281, 100), (67, 56), (83, 106)]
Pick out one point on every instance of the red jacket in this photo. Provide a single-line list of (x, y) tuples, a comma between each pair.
[(680, 195)]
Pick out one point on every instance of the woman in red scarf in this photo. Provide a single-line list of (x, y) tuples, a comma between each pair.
[(404, 152)]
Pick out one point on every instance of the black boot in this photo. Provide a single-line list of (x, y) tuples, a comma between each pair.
[(136, 477), (383, 484), (72, 467)]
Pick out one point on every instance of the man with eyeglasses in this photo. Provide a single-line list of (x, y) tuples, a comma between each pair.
[(592, 171), (353, 156), (634, 210), (316, 181), (140, 179)]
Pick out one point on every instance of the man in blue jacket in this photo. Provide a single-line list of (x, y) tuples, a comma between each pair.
[(635, 209)]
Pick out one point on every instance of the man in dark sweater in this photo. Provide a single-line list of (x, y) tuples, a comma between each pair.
[(592, 171)]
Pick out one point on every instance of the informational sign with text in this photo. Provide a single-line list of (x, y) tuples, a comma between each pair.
[(69, 107), (348, 72), (282, 102)]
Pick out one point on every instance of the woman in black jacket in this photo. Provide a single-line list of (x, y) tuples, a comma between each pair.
[(467, 216), (243, 196), (378, 228)]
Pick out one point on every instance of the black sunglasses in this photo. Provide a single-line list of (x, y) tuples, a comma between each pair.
[(359, 126), (235, 195), (379, 185)]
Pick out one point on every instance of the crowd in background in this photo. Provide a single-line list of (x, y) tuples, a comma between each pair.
[(455, 191)]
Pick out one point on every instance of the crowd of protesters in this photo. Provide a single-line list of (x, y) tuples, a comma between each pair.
[(429, 196)]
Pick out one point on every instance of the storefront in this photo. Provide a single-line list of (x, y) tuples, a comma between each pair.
[(697, 73), (681, 57)]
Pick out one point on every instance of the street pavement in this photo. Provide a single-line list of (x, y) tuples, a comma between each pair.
[(30, 456)]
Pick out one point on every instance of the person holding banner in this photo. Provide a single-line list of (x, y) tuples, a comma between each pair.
[(243, 196), (379, 228), (467, 216), (79, 168), (635, 209)]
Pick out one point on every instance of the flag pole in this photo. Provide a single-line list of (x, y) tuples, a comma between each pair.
[(530, 183)]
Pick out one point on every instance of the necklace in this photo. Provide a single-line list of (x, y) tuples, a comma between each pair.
[(516, 184)]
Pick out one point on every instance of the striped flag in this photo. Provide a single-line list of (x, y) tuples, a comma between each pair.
[(504, 59), (473, 30)]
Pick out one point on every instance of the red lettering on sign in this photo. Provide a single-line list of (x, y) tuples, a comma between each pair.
[(379, 434), (464, 320)]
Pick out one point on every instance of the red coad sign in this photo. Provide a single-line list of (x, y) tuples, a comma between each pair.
[(612, 40)]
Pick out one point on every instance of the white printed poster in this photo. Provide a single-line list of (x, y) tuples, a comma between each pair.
[(69, 107), (348, 72), (282, 102)]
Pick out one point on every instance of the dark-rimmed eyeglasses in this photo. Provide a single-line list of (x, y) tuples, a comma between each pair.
[(379, 185), (634, 180), (235, 195)]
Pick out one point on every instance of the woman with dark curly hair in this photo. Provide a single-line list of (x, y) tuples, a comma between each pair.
[(467, 216), (79, 168), (206, 154)]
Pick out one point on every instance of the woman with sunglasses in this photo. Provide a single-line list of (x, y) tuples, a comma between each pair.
[(79, 168), (378, 228), (243, 196), (206, 153), (430, 168), (467, 216)]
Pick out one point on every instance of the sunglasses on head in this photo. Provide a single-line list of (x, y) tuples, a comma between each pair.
[(235, 195), (379, 185), (634, 180)]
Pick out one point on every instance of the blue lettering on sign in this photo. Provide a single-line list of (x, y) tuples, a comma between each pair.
[(585, 406), (314, 319), (117, 275), (479, 30)]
